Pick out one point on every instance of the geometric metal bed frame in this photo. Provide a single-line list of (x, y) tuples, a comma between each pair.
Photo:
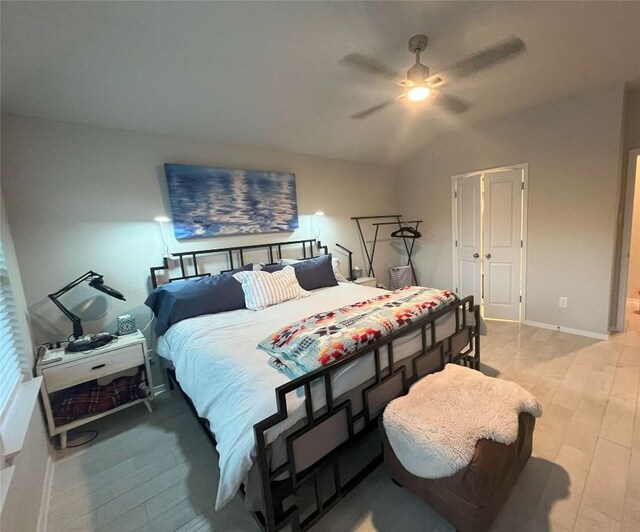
[(317, 446), (190, 267)]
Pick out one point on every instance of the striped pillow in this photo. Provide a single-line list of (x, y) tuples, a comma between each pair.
[(263, 289)]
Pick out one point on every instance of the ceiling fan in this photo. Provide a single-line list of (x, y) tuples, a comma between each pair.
[(420, 85)]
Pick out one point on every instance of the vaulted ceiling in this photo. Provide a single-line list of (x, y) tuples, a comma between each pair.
[(268, 73)]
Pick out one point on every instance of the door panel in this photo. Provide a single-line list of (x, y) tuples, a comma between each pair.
[(502, 229), (500, 275), (501, 215), (469, 194), (468, 236), (469, 279)]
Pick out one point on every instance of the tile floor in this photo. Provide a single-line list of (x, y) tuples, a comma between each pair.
[(158, 472)]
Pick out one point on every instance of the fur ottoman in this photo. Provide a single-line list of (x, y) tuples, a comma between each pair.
[(458, 441)]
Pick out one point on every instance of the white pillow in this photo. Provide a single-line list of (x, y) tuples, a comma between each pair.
[(286, 262), (335, 263), (336, 271), (263, 289)]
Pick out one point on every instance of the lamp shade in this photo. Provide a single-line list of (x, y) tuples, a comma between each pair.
[(99, 285)]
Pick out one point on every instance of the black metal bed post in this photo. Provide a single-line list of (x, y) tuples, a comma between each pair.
[(265, 479), (350, 277), (320, 247), (476, 336), (154, 269)]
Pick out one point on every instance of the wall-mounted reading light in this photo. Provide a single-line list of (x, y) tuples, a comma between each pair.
[(316, 224), (316, 227), (161, 221)]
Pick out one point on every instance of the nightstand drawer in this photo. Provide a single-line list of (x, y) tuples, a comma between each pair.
[(95, 367)]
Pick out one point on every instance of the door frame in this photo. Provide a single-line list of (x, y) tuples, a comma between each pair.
[(524, 229), (625, 247)]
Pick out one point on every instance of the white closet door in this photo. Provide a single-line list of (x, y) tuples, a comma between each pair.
[(502, 234), (468, 235)]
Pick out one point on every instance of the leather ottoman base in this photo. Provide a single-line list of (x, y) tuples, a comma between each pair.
[(471, 499)]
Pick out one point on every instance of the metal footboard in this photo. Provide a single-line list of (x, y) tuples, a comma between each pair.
[(316, 445)]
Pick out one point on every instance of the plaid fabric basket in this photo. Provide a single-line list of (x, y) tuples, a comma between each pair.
[(89, 398)]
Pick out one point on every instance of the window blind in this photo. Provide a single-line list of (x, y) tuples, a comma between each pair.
[(10, 339)]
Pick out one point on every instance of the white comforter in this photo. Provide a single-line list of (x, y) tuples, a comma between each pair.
[(230, 382)]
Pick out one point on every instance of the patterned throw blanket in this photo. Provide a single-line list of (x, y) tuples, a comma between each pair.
[(318, 340)]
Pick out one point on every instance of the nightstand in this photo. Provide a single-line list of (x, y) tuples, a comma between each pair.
[(121, 356), (367, 281)]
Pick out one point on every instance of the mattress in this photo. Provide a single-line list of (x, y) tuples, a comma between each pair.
[(231, 384)]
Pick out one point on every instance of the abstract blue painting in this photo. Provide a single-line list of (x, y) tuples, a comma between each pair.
[(220, 201)]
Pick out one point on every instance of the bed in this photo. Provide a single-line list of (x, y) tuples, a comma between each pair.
[(294, 448)]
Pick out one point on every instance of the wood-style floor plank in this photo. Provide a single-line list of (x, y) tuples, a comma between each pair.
[(157, 472)]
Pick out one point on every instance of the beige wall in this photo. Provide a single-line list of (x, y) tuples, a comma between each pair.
[(632, 141), (22, 506), (573, 148), (81, 198), (632, 121), (634, 254)]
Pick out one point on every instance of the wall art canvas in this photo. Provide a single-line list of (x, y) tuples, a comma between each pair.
[(209, 202)]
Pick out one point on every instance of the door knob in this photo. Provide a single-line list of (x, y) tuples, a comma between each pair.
[(476, 255), (488, 255)]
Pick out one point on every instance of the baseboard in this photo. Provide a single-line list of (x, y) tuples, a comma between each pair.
[(579, 332), (46, 496)]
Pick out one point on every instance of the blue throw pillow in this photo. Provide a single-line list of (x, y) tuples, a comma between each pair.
[(270, 268), (311, 273), (315, 273), (174, 302)]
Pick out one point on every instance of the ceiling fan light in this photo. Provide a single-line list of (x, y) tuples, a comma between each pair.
[(419, 93)]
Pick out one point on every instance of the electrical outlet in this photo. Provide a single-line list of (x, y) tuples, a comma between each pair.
[(563, 302)]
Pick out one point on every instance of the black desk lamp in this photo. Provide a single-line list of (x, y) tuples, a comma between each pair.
[(79, 343)]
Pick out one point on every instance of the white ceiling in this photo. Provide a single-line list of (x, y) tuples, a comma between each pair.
[(267, 73)]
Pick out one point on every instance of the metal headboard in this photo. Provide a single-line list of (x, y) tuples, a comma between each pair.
[(189, 263)]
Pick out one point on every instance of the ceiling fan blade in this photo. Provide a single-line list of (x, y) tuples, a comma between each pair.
[(368, 65), (371, 110), (405, 83), (449, 103), (489, 57), (480, 61)]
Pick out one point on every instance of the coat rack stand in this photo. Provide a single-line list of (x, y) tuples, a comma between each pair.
[(401, 224)]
